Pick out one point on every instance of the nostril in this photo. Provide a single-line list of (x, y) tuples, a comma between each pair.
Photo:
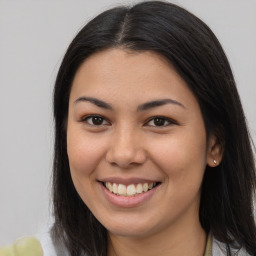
[(126, 157)]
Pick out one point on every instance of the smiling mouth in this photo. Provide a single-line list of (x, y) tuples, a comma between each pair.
[(129, 190)]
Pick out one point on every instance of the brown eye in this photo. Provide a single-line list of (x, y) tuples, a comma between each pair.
[(95, 120), (159, 121)]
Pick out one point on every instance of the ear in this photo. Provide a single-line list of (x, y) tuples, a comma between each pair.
[(215, 151)]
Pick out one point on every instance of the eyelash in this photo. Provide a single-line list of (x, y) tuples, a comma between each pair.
[(104, 121), (162, 118), (90, 117)]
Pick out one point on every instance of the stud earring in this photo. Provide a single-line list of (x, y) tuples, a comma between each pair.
[(214, 161)]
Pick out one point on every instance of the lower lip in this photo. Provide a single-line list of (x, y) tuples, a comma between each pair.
[(128, 201)]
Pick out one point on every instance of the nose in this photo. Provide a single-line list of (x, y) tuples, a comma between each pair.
[(126, 149)]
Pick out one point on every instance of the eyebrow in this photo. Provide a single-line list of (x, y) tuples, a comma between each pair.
[(94, 101), (158, 103), (142, 107)]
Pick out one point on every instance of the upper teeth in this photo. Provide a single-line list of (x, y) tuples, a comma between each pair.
[(130, 190)]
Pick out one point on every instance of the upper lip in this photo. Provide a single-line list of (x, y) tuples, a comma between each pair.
[(127, 181)]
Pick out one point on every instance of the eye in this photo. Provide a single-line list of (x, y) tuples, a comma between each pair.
[(95, 120), (160, 121)]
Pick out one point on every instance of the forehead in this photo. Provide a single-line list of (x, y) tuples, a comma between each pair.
[(119, 61), (118, 73)]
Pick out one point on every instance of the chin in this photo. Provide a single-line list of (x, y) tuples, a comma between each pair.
[(131, 233), (130, 227)]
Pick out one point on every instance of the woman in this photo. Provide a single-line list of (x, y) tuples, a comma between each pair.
[(152, 152)]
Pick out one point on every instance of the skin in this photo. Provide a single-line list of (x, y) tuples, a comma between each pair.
[(129, 143)]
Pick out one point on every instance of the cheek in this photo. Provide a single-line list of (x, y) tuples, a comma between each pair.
[(179, 156), (84, 152)]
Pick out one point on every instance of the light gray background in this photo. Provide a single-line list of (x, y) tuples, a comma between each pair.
[(34, 35)]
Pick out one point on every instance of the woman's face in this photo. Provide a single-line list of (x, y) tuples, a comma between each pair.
[(132, 124)]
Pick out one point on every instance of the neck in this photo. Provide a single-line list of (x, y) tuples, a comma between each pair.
[(181, 241)]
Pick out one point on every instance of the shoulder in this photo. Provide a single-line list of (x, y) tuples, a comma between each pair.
[(29, 246), (50, 247), (220, 249), (38, 245)]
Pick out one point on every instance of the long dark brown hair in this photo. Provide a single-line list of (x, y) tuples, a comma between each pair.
[(226, 206)]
